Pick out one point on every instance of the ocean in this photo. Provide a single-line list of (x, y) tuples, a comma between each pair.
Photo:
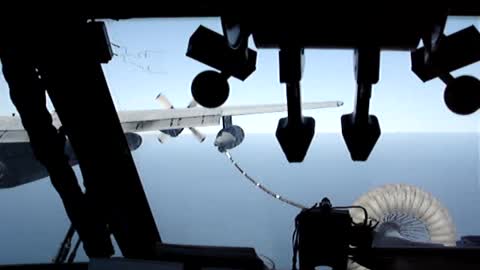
[(198, 197)]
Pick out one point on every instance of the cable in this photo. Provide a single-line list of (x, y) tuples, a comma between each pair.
[(276, 196), (262, 187), (295, 240)]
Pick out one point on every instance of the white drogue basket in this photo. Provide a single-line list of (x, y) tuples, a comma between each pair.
[(407, 216)]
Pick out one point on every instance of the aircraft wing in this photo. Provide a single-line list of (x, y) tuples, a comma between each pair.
[(150, 120), (260, 109), (19, 166), (11, 129), (171, 123), (16, 155)]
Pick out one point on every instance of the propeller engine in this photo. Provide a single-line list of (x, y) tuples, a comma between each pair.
[(175, 132), (229, 137)]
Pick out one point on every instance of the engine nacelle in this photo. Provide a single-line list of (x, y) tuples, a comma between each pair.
[(3, 171), (229, 138), (134, 140), (172, 132)]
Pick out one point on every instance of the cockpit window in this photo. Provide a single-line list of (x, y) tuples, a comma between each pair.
[(198, 195)]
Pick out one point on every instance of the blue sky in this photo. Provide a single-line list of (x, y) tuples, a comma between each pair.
[(151, 59), (400, 100)]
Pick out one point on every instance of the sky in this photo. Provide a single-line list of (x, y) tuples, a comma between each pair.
[(151, 59), (210, 203)]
